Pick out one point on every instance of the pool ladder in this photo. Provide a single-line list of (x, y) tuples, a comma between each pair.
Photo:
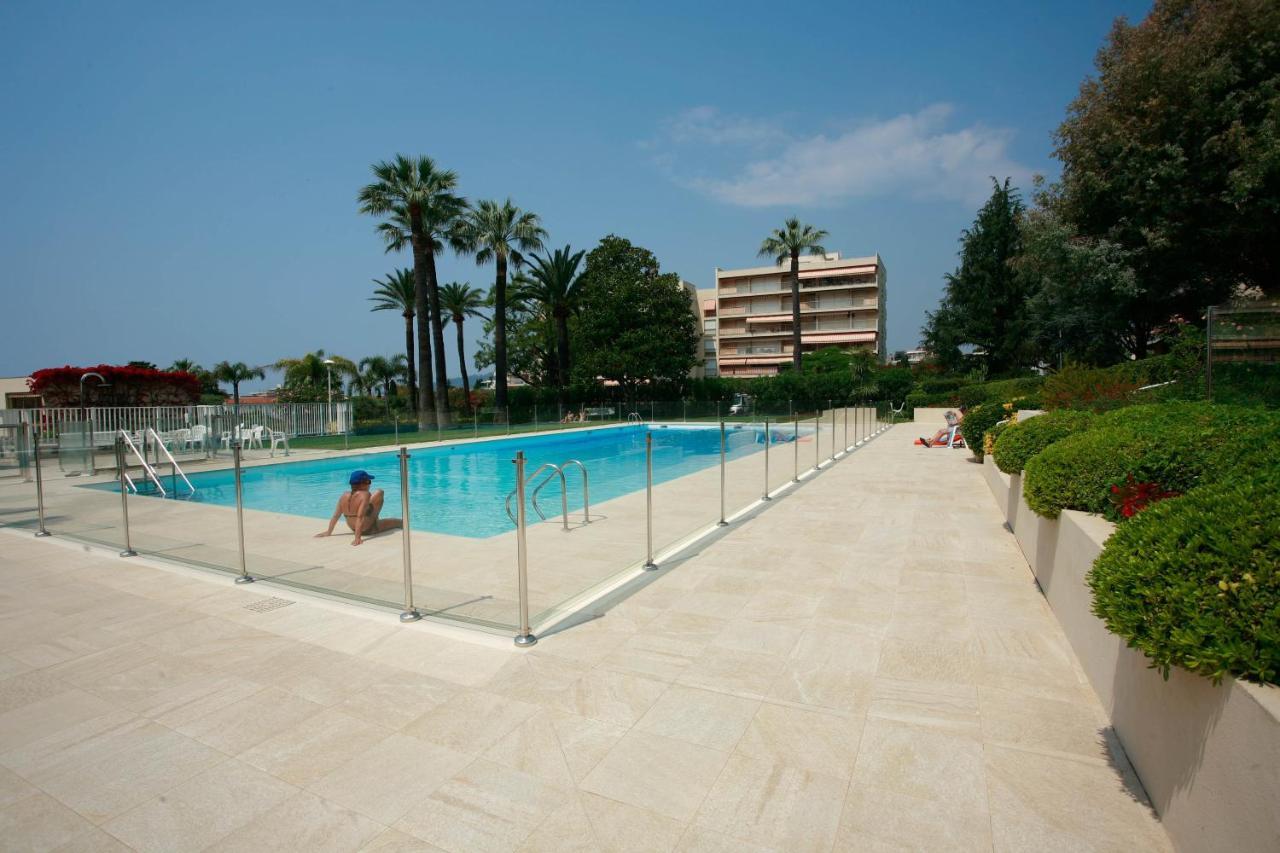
[(555, 471)]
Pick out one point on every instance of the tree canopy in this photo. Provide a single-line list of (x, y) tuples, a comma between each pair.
[(635, 324)]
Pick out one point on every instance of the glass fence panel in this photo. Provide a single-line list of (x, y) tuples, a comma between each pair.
[(82, 498), (687, 481), (780, 436), (18, 476)]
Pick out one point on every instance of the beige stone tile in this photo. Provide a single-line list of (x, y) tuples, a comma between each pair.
[(1028, 722), (200, 811), (1106, 813), (875, 819), (93, 841), (39, 822), (111, 785), (820, 741), (613, 697), (567, 830), (773, 806), (698, 839), (302, 822), (46, 717), (808, 682), (769, 638), (13, 788), (556, 747), (950, 707), (388, 779), (395, 841), (25, 688), (83, 743), (659, 774), (472, 721), (250, 721), (926, 660), (656, 656), (626, 828), (923, 764), (773, 605), (10, 667), (398, 699), (535, 677), (710, 719), (729, 671), (305, 752), (484, 807)]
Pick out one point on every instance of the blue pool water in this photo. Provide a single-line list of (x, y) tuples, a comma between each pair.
[(460, 489)]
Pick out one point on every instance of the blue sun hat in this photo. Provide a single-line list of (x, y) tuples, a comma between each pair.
[(360, 476)]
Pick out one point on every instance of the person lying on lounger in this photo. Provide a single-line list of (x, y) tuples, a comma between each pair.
[(361, 506), (953, 421)]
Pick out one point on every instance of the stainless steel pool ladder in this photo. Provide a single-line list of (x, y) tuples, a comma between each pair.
[(177, 472), (554, 472), (147, 470)]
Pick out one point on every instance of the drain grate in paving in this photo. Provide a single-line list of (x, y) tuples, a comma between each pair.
[(266, 605)]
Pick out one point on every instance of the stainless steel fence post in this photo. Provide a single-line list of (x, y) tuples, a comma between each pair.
[(124, 499), (35, 455), (766, 461), (846, 426), (245, 577), (795, 447), (817, 441), (722, 522), (397, 422), (833, 431), (525, 637), (649, 564), (410, 613)]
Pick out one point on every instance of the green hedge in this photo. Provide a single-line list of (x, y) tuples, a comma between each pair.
[(977, 421), (1195, 582), (1022, 440), (1173, 445)]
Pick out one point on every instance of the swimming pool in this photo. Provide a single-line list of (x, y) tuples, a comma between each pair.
[(460, 489)]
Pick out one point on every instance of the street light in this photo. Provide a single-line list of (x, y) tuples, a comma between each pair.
[(328, 367)]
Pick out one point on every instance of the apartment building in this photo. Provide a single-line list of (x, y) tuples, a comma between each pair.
[(842, 304)]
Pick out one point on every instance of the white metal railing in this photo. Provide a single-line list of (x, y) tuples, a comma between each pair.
[(104, 422)]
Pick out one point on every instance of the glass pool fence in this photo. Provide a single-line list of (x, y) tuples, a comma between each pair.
[(529, 519)]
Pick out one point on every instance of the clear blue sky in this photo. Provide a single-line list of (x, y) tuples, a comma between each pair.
[(180, 180)]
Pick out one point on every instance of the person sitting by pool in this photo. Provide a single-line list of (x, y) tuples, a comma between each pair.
[(953, 421), (361, 507)]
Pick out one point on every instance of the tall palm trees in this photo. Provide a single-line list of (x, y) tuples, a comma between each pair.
[(499, 232), (789, 241), (225, 371), (398, 293), (422, 210), (379, 372), (314, 369), (553, 281), (461, 301)]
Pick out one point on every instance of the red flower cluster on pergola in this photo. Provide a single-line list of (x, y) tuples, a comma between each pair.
[(125, 386)]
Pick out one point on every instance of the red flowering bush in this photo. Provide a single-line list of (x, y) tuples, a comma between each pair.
[(1131, 497), (126, 386)]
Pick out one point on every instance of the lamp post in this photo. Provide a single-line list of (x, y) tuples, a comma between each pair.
[(328, 367)]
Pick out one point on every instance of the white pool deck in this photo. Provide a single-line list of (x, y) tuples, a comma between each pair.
[(865, 665)]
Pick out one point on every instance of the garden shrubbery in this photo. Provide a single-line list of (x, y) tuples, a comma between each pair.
[(1195, 582), (977, 421), (1020, 441), (1170, 446)]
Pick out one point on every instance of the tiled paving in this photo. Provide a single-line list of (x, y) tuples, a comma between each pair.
[(867, 665)]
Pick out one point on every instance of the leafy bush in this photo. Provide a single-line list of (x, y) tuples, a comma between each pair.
[(977, 421), (1195, 582), (1171, 445), (1076, 387), (999, 392), (1020, 441), (1248, 384)]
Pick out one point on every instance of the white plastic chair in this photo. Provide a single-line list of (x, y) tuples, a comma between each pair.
[(251, 437), (198, 436), (277, 439)]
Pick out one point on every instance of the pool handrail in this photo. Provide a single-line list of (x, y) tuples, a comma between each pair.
[(586, 489)]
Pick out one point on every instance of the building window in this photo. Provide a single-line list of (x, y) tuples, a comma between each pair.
[(709, 325)]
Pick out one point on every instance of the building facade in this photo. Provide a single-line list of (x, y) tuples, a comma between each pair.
[(842, 304)]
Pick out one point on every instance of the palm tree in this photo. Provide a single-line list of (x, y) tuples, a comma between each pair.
[(225, 371), (499, 233), (397, 294), (312, 371), (553, 281), (422, 210), (380, 372), (185, 365), (788, 242), (461, 301)]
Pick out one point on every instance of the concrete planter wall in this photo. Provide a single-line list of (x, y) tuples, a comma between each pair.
[(1209, 757)]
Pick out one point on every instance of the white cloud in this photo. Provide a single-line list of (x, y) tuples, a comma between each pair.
[(919, 155)]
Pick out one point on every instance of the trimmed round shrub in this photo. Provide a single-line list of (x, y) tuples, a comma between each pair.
[(1024, 439), (1172, 446), (977, 421), (1195, 582)]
